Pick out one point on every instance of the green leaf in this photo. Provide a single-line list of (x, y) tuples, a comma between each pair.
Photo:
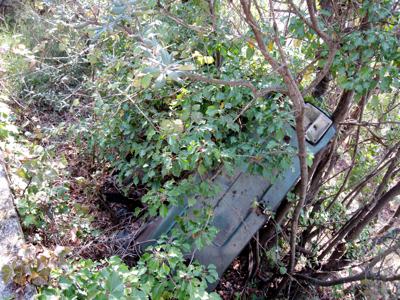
[(199, 243), (324, 12), (160, 82), (229, 167), (62, 47), (158, 290), (164, 211), (272, 144), (375, 101), (185, 114), (208, 60), (173, 75), (368, 53), (211, 111), (196, 107), (201, 169), (152, 2), (385, 83), (97, 36), (395, 82), (145, 81), (282, 270), (204, 186), (164, 269), (279, 134), (365, 72), (249, 53), (354, 55), (165, 57), (64, 283), (191, 201), (117, 10), (149, 70), (114, 283), (187, 68), (29, 219)]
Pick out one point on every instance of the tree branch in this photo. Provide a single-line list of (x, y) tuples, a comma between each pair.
[(256, 93), (366, 274), (314, 19)]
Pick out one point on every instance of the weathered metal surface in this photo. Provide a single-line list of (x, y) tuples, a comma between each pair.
[(233, 213)]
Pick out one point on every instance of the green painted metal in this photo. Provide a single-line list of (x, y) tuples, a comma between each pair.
[(233, 214)]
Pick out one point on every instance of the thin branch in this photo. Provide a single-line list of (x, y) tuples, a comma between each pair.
[(360, 276), (366, 274), (256, 93), (369, 123), (314, 19), (176, 19)]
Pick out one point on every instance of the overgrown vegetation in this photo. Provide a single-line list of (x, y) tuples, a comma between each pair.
[(148, 98)]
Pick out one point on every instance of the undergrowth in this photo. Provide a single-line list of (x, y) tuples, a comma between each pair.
[(70, 230)]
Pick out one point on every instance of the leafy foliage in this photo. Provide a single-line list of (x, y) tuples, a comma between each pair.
[(161, 274), (167, 88)]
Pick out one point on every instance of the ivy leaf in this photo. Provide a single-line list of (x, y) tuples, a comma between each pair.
[(64, 283), (229, 168), (164, 269), (19, 274), (43, 277), (158, 290), (214, 296), (8, 274), (137, 294), (29, 219), (114, 283)]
